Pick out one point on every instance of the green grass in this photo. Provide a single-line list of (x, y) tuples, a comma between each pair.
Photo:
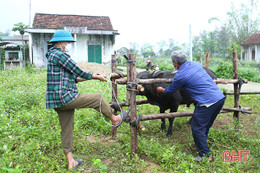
[(30, 134)]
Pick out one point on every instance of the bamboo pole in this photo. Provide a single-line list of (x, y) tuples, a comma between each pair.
[(207, 60), (228, 81), (169, 80), (131, 77), (115, 75), (243, 93), (114, 90), (224, 110), (186, 114), (236, 89)]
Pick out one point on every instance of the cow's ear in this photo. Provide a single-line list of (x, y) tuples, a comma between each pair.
[(158, 74)]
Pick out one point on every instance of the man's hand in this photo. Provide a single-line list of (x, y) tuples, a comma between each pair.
[(99, 77), (160, 90)]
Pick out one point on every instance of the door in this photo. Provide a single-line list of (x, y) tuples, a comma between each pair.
[(253, 55), (94, 53)]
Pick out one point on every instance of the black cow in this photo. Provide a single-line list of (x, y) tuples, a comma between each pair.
[(164, 101)]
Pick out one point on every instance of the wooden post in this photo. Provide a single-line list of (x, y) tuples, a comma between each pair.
[(114, 89), (258, 66), (131, 76), (207, 60), (236, 89)]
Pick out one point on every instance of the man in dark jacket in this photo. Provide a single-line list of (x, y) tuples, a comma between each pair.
[(201, 87)]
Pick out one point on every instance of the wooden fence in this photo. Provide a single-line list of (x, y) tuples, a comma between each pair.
[(131, 95)]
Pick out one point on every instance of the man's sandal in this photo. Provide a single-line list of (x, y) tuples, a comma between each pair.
[(123, 115), (80, 161), (189, 149)]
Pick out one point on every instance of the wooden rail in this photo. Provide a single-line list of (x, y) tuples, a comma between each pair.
[(169, 80), (186, 114)]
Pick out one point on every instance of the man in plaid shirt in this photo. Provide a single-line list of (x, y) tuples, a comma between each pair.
[(62, 94)]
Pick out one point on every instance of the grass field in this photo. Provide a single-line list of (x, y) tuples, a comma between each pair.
[(30, 134)]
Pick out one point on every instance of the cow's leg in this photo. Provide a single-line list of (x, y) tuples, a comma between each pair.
[(189, 122), (169, 132), (163, 125)]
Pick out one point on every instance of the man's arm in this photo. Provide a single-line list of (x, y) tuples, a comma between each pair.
[(160, 90), (97, 76)]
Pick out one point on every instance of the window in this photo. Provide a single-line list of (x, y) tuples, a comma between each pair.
[(13, 56)]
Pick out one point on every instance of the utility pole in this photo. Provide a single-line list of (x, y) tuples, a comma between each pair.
[(190, 38), (30, 13)]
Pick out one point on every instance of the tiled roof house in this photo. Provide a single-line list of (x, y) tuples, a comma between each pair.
[(251, 48), (94, 35)]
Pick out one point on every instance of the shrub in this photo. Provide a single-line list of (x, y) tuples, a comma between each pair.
[(225, 70)]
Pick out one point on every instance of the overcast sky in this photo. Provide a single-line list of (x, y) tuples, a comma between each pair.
[(140, 21)]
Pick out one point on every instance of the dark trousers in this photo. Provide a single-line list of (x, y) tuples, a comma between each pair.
[(202, 120)]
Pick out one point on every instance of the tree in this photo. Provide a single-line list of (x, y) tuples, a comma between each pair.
[(243, 22), (21, 28), (197, 48), (208, 42), (162, 45), (147, 50), (134, 48), (172, 47), (240, 24)]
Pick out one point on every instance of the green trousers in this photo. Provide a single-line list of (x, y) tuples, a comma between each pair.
[(66, 115)]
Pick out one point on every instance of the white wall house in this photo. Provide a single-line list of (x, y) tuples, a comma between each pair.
[(94, 35), (251, 48)]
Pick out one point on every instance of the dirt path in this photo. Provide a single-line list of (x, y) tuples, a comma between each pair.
[(248, 87)]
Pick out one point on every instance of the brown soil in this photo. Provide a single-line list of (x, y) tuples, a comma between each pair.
[(101, 139), (95, 68)]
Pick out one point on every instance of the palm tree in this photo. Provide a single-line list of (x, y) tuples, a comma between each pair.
[(21, 28)]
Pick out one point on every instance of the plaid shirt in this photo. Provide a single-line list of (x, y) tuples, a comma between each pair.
[(62, 73)]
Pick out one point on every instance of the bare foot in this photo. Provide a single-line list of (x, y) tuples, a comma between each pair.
[(72, 164), (116, 119)]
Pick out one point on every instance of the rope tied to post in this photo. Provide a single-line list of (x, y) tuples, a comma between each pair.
[(243, 110), (131, 86), (130, 61), (240, 82), (136, 121)]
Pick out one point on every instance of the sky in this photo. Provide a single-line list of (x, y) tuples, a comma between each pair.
[(139, 21)]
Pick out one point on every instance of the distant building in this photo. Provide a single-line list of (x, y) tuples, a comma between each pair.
[(251, 48), (94, 35), (13, 56), (13, 47), (17, 39)]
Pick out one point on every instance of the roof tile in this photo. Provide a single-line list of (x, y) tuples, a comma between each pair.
[(58, 21), (253, 39)]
